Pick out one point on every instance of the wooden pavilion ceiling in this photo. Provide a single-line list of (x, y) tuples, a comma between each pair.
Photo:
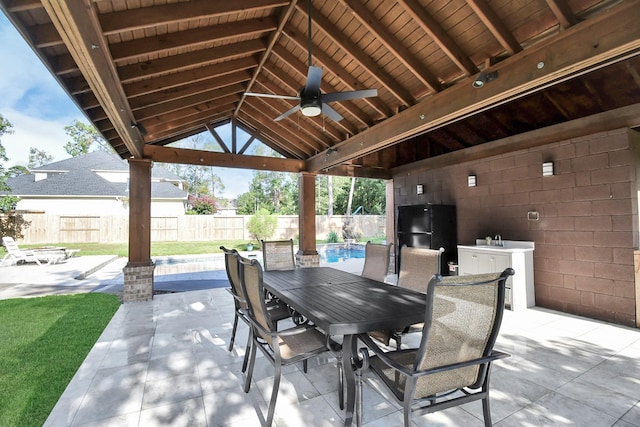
[(151, 72)]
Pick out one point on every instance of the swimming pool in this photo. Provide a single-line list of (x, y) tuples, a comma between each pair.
[(338, 252), (329, 253)]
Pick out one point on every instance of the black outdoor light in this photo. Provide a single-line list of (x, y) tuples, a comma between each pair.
[(483, 78)]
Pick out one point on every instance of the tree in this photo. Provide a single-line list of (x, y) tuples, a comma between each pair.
[(367, 193), (83, 137), (38, 158), (16, 170), (5, 128), (262, 225)]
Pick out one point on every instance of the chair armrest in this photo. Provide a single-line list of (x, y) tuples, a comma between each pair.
[(382, 355), (236, 297), (495, 355)]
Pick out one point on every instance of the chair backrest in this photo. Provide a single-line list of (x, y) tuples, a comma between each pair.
[(418, 266), (232, 266), (462, 322), (278, 254), (376, 261), (251, 280), (11, 246)]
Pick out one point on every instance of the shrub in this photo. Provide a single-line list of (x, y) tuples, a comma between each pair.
[(203, 205), (332, 237), (12, 223), (262, 225)]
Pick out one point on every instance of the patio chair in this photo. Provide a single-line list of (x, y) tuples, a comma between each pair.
[(452, 364), (277, 311), (278, 254), (418, 266), (15, 255), (376, 261), (281, 348)]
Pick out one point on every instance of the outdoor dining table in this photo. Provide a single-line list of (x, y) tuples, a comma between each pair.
[(344, 305)]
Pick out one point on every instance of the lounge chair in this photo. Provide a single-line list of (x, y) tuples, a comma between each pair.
[(15, 255)]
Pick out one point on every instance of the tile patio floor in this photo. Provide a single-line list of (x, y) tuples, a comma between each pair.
[(165, 362)]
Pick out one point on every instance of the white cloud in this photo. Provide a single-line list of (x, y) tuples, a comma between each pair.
[(29, 131), (39, 109)]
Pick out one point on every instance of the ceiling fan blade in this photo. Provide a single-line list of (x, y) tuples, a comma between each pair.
[(346, 96), (270, 95), (287, 113), (314, 77), (328, 111)]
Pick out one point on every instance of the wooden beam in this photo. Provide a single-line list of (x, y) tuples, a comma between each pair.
[(190, 38), (389, 40), (78, 25), (439, 36), (187, 62), (602, 122), (610, 37), (284, 18), (563, 12), (153, 16), (494, 24), (360, 57), (226, 160)]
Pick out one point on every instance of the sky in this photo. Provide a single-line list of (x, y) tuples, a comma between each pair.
[(39, 109)]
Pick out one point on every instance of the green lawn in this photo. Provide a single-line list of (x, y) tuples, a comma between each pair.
[(43, 342), (165, 248)]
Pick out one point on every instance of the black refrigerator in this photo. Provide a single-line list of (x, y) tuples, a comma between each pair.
[(428, 226)]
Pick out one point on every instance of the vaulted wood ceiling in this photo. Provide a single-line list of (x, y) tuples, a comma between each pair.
[(151, 72)]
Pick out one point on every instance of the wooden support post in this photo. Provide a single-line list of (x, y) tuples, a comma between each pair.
[(307, 255), (138, 273)]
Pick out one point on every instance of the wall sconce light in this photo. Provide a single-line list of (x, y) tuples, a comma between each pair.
[(483, 78), (547, 169), (419, 189), (471, 181)]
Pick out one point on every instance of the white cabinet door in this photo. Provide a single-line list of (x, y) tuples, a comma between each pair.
[(468, 262)]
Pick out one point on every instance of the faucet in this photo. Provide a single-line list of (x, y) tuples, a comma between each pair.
[(497, 240)]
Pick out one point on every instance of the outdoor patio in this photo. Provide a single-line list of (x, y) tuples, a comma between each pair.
[(165, 362)]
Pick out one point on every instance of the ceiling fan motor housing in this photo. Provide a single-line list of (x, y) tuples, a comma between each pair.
[(311, 106)]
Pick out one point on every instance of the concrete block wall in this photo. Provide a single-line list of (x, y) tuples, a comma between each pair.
[(588, 225)]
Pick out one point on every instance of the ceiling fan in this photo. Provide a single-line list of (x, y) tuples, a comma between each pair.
[(312, 101)]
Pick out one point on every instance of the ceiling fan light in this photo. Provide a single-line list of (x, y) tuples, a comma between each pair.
[(311, 107)]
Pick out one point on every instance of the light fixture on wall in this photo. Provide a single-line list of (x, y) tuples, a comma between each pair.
[(471, 181), (419, 189), (547, 169), (483, 78)]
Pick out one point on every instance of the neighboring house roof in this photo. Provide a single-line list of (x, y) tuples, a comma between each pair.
[(77, 177), (103, 161)]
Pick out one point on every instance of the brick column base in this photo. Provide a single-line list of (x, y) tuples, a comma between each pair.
[(309, 260), (138, 283)]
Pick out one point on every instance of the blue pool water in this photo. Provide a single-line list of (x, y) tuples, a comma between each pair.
[(186, 263), (340, 252)]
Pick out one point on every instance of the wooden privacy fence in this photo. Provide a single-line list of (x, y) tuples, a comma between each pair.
[(47, 229)]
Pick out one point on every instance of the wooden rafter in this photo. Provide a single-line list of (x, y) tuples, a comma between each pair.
[(494, 24), (572, 52)]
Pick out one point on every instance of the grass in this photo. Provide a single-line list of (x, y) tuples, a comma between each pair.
[(44, 341), (167, 248)]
